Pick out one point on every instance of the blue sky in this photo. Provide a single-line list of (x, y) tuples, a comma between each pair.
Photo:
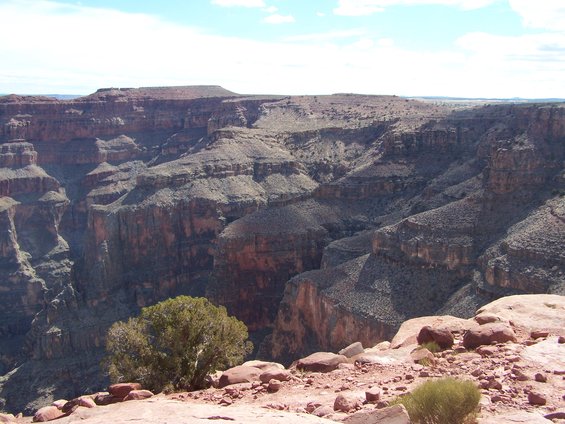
[(470, 48)]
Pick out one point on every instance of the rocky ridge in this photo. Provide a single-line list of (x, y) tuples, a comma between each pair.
[(517, 362), (123, 198)]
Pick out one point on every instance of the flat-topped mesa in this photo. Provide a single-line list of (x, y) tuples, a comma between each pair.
[(108, 114)]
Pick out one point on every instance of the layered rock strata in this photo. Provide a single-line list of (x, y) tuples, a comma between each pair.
[(123, 198)]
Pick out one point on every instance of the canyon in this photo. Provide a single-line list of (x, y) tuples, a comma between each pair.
[(317, 220)]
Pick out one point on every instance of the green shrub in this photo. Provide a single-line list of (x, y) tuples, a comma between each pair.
[(444, 401), (431, 346), (175, 344)]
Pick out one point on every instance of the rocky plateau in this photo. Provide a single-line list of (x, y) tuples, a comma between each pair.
[(319, 221)]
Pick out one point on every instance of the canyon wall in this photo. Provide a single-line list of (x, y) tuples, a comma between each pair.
[(317, 220)]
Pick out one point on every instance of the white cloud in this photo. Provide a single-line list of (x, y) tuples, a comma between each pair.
[(327, 36), (239, 3), (132, 50), (320, 14), (277, 18), (271, 9), (547, 14), (369, 7)]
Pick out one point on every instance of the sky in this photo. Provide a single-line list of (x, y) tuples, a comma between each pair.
[(458, 48)]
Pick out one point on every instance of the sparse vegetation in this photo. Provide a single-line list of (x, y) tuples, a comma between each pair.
[(426, 362), (175, 344), (444, 401), (431, 346)]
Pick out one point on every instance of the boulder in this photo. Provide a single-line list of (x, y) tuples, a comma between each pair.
[(84, 401), (59, 403), (274, 374), (321, 362), (396, 414), (121, 390), (352, 350), (441, 336), (139, 395), (263, 365), (106, 398), (408, 331), (488, 334), (47, 413), (239, 374)]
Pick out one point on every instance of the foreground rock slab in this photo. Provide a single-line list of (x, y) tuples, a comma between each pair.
[(161, 410)]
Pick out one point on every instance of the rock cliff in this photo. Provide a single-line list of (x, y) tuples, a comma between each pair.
[(322, 220)]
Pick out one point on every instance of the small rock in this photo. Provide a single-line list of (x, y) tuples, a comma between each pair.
[(486, 350), (561, 339), (537, 334), (536, 398), (373, 395), (121, 390), (139, 395), (311, 406), (486, 318), (278, 406), (47, 413), (346, 402), (352, 350), (557, 415), (520, 375), (494, 384), (226, 401), (540, 377), (322, 411), (274, 386)]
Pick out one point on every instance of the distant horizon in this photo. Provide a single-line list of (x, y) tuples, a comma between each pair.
[(61, 96), (498, 49)]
